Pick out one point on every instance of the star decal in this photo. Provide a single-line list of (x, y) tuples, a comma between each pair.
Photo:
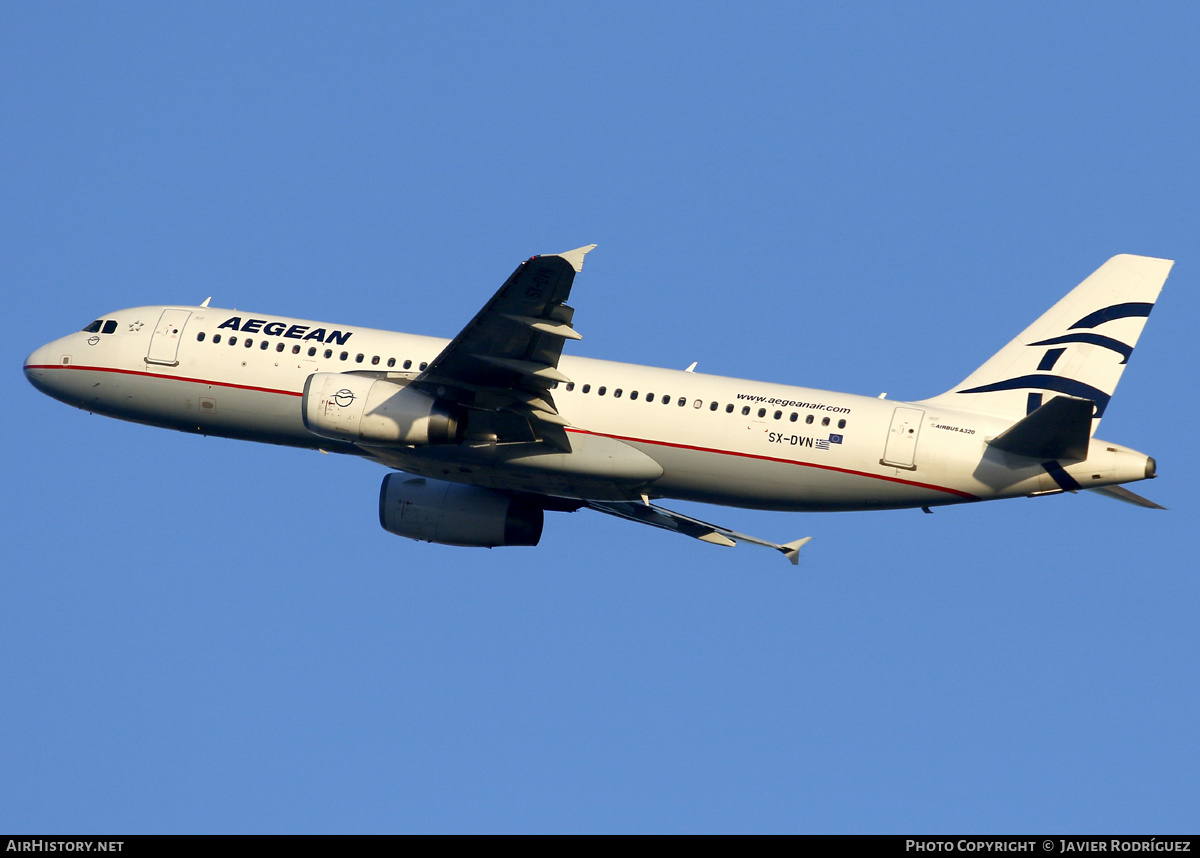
[(135, 326)]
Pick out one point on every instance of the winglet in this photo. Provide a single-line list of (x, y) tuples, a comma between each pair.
[(791, 550), (575, 257)]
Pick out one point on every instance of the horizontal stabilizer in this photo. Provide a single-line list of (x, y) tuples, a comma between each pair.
[(1123, 494), (1060, 429)]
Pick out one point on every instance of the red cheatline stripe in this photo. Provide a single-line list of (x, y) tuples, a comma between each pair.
[(955, 492), (168, 377)]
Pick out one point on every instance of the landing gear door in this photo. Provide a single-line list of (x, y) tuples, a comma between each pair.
[(901, 448), (164, 344)]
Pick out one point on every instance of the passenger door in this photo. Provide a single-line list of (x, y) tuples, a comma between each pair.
[(164, 343)]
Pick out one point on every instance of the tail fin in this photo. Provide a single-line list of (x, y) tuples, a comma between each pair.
[(1079, 347)]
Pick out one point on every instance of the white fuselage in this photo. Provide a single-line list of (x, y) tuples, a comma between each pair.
[(719, 440)]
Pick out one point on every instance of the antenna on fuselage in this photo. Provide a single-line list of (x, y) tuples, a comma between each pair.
[(692, 368), (206, 300)]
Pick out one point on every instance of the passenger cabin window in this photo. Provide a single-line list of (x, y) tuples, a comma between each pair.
[(633, 395), (729, 408), (295, 350), (808, 419), (279, 347), (649, 397), (793, 417), (343, 355), (617, 393), (312, 351), (683, 401), (216, 338), (762, 412), (200, 337), (601, 391), (375, 361), (712, 406), (587, 388), (745, 410), (824, 421), (697, 404), (391, 362), (328, 353), (841, 424), (570, 385), (408, 364), (358, 359), (249, 342), (424, 364), (264, 345)]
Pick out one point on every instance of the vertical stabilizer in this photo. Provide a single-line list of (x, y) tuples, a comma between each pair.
[(1078, 348)]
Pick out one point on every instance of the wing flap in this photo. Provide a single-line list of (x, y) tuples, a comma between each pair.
[(556, 329), (540, 373)]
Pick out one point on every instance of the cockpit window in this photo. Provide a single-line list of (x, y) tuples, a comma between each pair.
[(93, 328), (109, 326)]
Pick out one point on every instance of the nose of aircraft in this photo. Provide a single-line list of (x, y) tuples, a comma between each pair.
[(38, 366)]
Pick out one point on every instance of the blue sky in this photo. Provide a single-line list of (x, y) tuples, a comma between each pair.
[(202, 635)]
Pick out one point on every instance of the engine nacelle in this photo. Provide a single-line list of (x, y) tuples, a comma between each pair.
[(456, 514), (359, 408)]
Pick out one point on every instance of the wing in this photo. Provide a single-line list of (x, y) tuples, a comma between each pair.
[(506, 358), (656, 516)]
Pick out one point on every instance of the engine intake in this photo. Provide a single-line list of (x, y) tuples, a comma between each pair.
[(456, 514), (348, 407)]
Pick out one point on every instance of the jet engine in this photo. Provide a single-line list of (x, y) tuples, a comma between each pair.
[(456, 514), (360, 408)]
